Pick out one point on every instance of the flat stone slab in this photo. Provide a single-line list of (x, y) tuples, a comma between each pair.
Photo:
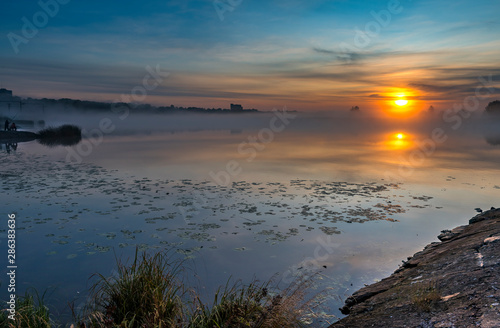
[(452, 283)]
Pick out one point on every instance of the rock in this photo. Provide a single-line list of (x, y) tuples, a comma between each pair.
[(484, 215), (453, 283), (445, 235), (449, 234)]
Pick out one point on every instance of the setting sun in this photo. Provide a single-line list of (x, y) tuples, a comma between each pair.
[(400, 103), (400, 136)]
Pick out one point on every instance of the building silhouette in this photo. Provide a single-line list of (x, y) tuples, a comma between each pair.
[(5, 95), (236, 108)]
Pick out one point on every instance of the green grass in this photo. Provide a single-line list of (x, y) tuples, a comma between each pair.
[(150, 293), (257, 305), (30, 312)]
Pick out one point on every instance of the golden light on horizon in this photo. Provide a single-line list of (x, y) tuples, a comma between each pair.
[(401, 102), (400, 136)]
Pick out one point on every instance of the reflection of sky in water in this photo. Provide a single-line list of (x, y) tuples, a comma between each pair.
[(286, 203)]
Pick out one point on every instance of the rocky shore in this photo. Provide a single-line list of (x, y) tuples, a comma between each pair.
[(452, 283)]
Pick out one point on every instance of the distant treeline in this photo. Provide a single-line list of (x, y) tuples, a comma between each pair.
[(85, 105)]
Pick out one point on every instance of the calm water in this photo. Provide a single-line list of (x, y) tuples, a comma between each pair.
[(238, 197)]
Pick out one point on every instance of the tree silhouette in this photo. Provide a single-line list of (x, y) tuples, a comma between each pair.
[(493, 140), (493, 108)]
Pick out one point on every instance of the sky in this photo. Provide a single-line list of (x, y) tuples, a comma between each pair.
[(305, 55)]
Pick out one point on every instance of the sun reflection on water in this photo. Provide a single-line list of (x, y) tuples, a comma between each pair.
[(398, 141)]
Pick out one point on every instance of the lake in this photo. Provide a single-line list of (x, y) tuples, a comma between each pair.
[(275, 194)]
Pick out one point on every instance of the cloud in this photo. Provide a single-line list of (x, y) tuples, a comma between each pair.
[(380, 52), (358, 56), (458, 81), (440, 88), (339, 55)]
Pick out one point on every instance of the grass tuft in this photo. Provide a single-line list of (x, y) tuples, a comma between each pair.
[(257, 305), (31, 312), (147, 293)]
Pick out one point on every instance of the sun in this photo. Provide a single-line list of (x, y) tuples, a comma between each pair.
[(401, 102), (400, 136)]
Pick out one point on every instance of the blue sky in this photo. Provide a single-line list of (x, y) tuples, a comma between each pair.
[(263, 54)]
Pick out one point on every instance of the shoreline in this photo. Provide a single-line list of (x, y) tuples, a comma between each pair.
[(451, 283)]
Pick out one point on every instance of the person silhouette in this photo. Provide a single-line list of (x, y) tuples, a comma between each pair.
[(13, 127), (6, 126)]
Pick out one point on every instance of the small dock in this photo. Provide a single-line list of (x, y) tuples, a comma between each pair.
[(17, 136)]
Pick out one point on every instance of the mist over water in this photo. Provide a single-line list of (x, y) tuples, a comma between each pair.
[(344, 141)]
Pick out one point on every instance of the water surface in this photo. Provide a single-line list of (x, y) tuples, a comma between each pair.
[(347, 197)]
